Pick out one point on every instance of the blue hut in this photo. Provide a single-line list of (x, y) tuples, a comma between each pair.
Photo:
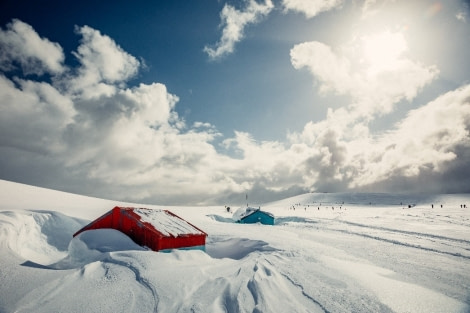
[(253, 215)]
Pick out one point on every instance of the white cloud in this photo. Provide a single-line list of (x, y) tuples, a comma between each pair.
[(20, 43), (103, 65), (461, 16), (332, 71), (234, 23), (153, 105), (119, 142), (431, 140), (112, 128), (345, 153), (311, 8), (34, 116), (426, 140), (125, 142), (374, 89)]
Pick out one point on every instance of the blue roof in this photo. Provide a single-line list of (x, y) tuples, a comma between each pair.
[(244, 214), (258, 210)]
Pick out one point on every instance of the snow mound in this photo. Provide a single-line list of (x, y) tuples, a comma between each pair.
[(95, 245), (221, 219), (102, 240), (236, 248), (96, 287), (37, 236), (242, 212), (250, 285)]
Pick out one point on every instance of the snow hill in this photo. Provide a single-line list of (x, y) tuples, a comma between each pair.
[(326, 253)]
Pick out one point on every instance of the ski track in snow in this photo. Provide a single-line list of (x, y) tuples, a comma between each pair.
[(434, 243), (365, 259)]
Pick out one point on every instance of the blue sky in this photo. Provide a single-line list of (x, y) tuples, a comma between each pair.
[(194, 102)]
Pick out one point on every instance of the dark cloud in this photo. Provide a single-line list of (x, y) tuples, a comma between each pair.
[(328, 164), (453, 178)]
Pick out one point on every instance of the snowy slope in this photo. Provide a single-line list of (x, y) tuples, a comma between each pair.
[(326, 253)]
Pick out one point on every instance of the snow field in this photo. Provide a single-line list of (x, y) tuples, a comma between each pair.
[(364, 257)]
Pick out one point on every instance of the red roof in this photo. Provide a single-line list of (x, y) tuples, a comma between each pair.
[(155, 229)]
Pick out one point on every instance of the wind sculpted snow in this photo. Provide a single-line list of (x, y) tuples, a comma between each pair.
[(326, 253)]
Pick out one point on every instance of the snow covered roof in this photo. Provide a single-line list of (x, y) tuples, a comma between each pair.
[(166, 222), (241, 213)]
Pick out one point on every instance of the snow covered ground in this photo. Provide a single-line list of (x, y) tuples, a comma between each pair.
[(326, 253)]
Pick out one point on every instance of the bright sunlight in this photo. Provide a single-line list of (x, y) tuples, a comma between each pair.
[(382, 51)]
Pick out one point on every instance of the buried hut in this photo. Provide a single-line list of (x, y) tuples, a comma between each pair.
[(156, 229), (251, 215)]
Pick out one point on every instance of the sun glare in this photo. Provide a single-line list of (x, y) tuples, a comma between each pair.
[(381, 51)]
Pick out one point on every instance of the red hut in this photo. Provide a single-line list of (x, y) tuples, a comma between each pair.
[(155, 229)]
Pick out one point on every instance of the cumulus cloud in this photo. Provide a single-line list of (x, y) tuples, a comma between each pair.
[(21, 45), (374, 89), (429, 142), (234, 23), (94, 128), (101, 137), (104, 65), (34, 116), (420, 153), (426, 140), (311, 8), (333, 72), (88, 132)]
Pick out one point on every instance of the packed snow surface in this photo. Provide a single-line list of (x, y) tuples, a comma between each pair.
[(326, 253), (167, 224)]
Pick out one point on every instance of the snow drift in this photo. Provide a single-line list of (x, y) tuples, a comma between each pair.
[(333, 253)]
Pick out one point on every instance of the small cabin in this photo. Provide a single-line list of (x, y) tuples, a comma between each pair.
[(159, 230), (253, 215)]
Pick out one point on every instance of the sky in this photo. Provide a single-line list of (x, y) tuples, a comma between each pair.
[(206, 102)]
